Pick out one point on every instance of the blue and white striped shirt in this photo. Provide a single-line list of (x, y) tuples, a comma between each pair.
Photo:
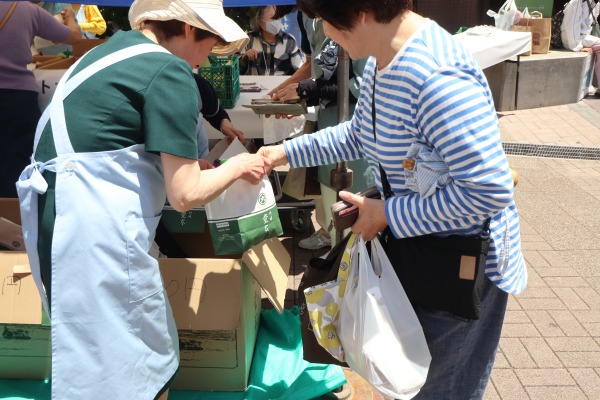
[(435, 93)]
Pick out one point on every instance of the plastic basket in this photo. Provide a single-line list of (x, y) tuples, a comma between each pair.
[(224, 75)]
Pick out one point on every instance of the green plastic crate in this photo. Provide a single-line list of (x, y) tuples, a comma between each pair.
[(224, 75)]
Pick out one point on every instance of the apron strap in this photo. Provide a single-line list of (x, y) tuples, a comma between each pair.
[(55, 112)]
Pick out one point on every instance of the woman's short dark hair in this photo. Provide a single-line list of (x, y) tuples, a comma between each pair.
[(282, 11), (167, 29), (342, 14)]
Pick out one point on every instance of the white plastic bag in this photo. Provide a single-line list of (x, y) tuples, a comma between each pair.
[(278, 129), (381, 335), (505, 17)]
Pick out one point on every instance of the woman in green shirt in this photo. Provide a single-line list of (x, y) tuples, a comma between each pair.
[(118, 138)]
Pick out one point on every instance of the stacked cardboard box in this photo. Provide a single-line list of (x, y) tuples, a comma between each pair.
[(215, 300)]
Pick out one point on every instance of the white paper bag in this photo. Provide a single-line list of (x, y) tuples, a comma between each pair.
[(244, 214)]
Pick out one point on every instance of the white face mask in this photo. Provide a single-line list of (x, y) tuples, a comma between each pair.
[(273, 26)]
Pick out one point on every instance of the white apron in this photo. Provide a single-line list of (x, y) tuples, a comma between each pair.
[(113, 333)]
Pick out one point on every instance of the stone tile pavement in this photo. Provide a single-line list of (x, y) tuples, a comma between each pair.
[(550, 346)]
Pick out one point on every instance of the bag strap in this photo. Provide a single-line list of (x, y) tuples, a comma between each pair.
[(344, 269), (387, 188), (591, 10), (536, 15), (8, 14)]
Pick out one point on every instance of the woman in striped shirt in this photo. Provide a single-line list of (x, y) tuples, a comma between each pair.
[(423, 86)]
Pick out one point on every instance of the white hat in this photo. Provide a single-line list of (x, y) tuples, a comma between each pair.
[(204, 14)]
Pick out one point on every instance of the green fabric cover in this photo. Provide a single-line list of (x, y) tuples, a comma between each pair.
[(278, 370)]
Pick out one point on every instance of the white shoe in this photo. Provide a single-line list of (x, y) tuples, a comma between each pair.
[(316, 241)]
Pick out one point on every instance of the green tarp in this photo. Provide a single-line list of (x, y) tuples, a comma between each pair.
[(278, 369)]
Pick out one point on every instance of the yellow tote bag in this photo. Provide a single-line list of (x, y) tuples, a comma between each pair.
[(323, 302)]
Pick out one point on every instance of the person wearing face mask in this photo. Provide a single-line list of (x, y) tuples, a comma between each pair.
[(270, 51)]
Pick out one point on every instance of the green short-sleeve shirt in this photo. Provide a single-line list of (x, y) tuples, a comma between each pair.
[(149, 99)]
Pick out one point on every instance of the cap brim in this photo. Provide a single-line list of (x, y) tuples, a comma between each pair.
[(209, 18), (216, 22)]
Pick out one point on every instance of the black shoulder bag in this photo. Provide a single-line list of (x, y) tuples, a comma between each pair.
[(555, 36), (444, 273)]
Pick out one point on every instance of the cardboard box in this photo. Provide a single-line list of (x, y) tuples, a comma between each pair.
[(25, 349), (40, 61), (216, 302), (79, 49), (60, 63), (49, 73), (86, 45)]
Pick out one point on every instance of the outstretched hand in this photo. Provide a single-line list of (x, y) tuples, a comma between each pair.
[(251, 167), (275, 154)]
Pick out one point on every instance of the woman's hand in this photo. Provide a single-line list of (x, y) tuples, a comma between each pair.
[(275, 154), (287, 94), (251, 167), (371, 215), (204, 164), (231, 132), (68, 15), (251, 54)]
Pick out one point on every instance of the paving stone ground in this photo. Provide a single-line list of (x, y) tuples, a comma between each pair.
[(550, 345)]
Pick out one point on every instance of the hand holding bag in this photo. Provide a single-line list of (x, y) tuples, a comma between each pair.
[(244, 214), (380, 333)]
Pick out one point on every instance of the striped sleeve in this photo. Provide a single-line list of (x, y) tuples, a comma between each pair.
[(327, 146)]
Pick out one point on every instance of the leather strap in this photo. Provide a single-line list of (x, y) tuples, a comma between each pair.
[(8, 14)]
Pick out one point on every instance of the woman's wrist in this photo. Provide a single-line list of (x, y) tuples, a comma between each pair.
[(224, 123)]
